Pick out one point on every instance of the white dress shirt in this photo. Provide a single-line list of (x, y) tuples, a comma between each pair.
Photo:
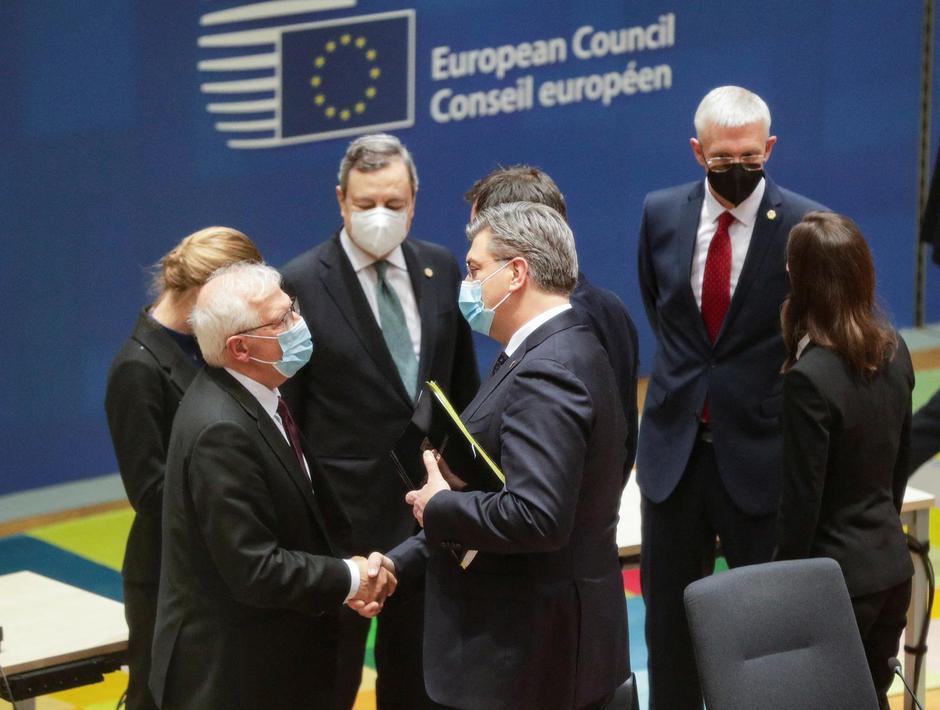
[(396, 276), (740, 231), (530, 326), (267, 398)]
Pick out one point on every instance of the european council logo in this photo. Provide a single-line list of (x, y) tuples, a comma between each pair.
[(311, 81)]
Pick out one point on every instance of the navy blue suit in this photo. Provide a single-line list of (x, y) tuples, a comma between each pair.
[(538, 620), (692, 488), (604, 313)]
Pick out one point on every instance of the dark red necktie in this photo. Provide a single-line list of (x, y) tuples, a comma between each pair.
[(293, 433), (716, 284)]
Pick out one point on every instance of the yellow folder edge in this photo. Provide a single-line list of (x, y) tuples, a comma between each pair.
[(449, 408)]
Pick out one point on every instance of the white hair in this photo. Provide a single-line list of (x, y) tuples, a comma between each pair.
[(731, 106), (374, 152), (230, 306)]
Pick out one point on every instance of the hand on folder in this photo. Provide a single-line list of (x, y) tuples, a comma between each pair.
[(376, 583), (436, 483)]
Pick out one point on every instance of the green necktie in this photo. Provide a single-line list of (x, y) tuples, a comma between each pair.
[(395, 331)]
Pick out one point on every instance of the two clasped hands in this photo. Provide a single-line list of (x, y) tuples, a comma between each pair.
[(377, 580)]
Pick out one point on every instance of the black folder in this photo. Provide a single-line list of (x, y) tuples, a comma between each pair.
[(437, 425)]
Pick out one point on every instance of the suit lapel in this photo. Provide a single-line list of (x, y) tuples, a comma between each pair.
[(179, 368), (343, 286), (687, 231), (765, 233), (422, 276), (273, 438), (563, 320)]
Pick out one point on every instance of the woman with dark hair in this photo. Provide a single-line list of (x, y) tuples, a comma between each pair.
[(846, 426), (145, 385)]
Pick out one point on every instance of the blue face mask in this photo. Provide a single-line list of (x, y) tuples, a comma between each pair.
[(296, 348), (472, 307)]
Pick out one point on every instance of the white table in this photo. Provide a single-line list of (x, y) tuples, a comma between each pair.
[(56, 636), (915, 514)]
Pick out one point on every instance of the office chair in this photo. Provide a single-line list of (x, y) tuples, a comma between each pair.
[(780, 635)]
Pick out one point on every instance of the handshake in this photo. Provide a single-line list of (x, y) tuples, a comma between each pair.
[(376, 582)]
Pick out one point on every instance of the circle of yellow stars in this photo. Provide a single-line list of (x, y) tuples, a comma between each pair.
[(331, 110)]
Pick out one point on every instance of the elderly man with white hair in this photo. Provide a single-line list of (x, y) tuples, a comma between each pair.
[(250, 590), (713, 276)]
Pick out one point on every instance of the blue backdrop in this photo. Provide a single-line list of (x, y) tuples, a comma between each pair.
[(128, 125)]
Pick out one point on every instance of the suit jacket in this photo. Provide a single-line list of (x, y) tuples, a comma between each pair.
[(249, 593), (925, 432), (604, 313), (349, 401), (846, 459), (146, 382), (739, 373), (538, 619)]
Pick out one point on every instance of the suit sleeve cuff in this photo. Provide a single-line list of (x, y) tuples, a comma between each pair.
[(353, 579)]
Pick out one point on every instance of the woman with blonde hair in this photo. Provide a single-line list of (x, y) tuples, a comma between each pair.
[(147, 379), (846, 428)]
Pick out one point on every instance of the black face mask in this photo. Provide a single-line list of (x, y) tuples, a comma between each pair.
[(735, 183)]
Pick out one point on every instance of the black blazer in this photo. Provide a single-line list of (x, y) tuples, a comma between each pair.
[(740, 373), (604, 313), (249, 590), (846, 458), (349, 401), (538, 619), (146, 382)]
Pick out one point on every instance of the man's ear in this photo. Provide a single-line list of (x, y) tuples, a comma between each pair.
[(520, 273), (235, 346)]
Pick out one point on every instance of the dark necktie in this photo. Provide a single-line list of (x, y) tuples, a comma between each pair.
[(293, 433), (395, 330), (716, 283), (503, 357)]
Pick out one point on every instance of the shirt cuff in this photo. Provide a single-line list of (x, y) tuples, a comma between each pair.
[(353, 579)]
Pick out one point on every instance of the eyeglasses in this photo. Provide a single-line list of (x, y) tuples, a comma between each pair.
[(287, 320), (472, 271), (722, 164)]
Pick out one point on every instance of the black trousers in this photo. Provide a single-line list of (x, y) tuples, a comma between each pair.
[(678, 548), (398, 657), (140, 610), (881, 618)]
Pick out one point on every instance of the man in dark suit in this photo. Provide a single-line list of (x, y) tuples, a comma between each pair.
[(925, 433), (599, 309), (383, 313), (537, 619), (249, 587), (713, 276)]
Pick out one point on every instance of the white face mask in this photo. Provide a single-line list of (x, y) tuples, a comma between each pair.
[(379, 230)]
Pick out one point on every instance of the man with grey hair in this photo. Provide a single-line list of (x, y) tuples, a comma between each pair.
[(250, 586), (537, 619), (712, 271), (381, 309)]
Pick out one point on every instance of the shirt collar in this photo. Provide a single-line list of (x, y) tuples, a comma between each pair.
[(745, 213), (266, 397), (530, 326), (801, 346), (361, 260)]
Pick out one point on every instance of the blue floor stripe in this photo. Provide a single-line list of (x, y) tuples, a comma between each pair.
[(22, 552)]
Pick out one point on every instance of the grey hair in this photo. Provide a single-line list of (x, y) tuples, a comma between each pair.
[(730, 107), (538, 234), (374, 152), (231, 306)]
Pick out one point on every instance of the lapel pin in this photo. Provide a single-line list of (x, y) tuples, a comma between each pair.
[(771, 214), (429, 272)]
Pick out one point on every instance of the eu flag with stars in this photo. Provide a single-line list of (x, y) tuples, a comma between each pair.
[(344, 76)]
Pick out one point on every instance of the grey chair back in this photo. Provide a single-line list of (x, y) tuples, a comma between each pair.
[(780, 635)]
